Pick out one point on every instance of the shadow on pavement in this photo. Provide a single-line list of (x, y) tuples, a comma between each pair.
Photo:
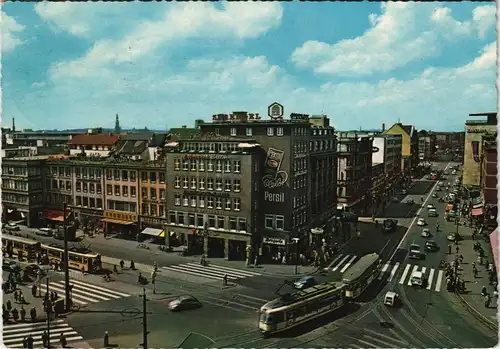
[(347, 309), (399, 210), (421, 187)]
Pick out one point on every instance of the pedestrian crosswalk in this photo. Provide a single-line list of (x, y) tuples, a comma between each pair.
[(211, 271), (434, 277), (14, 334), (83, 293)]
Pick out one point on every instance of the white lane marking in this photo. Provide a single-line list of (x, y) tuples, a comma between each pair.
[(415, 218), (107, 290), (385, 336), (221, 270), (439, 280), (385, 267), (6, 328), (385, 343), (209, 270), (423, 270), (180, 269), (429, 280), (61, 290), (393, 271), (65, 329), (340, 263), (52, 340), (415, 268), (235, 270), (403, 277), (334, 261), (82, 292), (348, 264)]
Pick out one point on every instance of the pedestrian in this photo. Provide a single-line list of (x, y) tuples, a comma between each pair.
[(33, 290), (484, 291), (33, 314), (16, 296), (9, 305), (30, 341), (23, 314), (45, 339), (62, 340), (15, 314)]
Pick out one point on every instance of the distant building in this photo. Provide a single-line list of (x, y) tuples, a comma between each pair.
[(93, 144), (426, 145), (488, 179), (474, 131), (409, 156)]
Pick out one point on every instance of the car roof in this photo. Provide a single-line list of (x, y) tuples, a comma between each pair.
[(414, 245), (390, 294), (185, 297), (305, 278), (417, 273)]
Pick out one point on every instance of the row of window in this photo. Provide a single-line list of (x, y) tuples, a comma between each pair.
[(121, 190), (199, 183), (87, 172), (58, 199), (153, 210), (208, 202), (88, 202), (153, 193), (121, 175), (17, 198), (300, 165), (21, 171), (299, 218), (16, 184), (126, 206), (213, 147), (210, 221), (94, 147), (58, 184), (208, 165), (276, 222), (61, 171), (299, 201), (89, 187), (300, 181)]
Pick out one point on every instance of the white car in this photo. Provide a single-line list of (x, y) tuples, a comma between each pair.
[(450, 237), (430, 207), (426, 233), (417, 278), (421, 222)]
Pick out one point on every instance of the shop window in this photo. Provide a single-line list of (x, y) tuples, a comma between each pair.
[(191, 219), (199, 219)]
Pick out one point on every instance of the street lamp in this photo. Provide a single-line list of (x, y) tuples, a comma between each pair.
[(296, 241)]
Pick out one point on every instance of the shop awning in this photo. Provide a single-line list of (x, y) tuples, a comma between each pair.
[(162, 234), (56, 215), (116, 221), (494, 246), (477, 211), (152, 232)]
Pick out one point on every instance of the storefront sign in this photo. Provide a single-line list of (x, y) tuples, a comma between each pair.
[(274, 197), (86, 211), (297, 116), (274, 178), (207, 211), (480, 130), (274, 241), (150, 220), (122, 216), (206, 193), (206, 156)]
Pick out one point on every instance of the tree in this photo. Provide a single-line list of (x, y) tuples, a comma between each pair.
[(118, 129)]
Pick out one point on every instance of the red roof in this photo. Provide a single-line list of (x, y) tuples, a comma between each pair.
[(94, 139)]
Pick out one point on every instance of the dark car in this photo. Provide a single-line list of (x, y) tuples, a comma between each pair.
[(389, 225), (431, 246), (32, 270), (305, 282), (184, 303)]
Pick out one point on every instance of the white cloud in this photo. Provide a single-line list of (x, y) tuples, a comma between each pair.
[(403, 33), (10, 29), (39, 84), (179, 22)]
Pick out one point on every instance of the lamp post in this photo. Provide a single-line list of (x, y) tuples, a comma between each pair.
[(67, 286), (296, 241)]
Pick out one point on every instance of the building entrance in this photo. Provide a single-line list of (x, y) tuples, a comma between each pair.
[(195, 244), (215, 248), (237, 250)]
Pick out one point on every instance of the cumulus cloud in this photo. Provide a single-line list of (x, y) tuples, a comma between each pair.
[(10, 31), (403, 33)]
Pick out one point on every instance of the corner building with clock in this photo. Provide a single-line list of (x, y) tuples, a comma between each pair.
[(250, 186)]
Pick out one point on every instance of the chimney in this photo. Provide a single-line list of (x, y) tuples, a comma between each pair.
[(13, 125), (383, 127)]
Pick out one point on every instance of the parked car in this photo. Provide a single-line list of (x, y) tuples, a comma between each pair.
[(432, 213), (430, 207), (415, 252), (434, 195), (45, 232), (426, 233), (12, 227), (421, 222)]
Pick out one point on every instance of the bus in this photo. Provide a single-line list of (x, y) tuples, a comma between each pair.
[(359, 276), (88, 262), (301, 306), (13, 245)]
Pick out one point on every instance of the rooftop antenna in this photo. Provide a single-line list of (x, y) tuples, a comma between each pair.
[(399, 120)]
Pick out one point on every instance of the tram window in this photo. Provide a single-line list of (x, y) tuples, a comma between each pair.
[(85, 260)]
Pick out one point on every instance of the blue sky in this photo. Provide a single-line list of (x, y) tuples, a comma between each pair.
[(72, 65)]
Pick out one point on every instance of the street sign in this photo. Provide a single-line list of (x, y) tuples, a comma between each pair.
[(276, 111)]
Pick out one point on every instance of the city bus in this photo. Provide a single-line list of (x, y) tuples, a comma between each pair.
[(88, 262), (301, 306), (14, 244), (359, 276)]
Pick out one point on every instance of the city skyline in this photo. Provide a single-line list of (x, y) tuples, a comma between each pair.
[(429, 65)]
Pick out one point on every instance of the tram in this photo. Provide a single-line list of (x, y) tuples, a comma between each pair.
[(13, 245), (88, 262), (360, 275)]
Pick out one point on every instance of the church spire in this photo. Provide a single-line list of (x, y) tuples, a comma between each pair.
[(118, 129)]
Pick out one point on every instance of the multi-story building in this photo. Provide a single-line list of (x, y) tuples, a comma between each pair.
[(387, 151), (426, 145), (212, 198), (409, 156), (273, 158), (378, 188), (93, 144), (153, 195), (354, 177), (121, 197), (488, 180), (58, 189), (475, 129), (22, 190)]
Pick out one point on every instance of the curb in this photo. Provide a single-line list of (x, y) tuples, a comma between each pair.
[(483, 319)]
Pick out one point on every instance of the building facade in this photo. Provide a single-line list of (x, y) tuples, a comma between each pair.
[(354, 172), (409, 142), (22, 190), (474, 131), (488, 180), (153, 195), (93, 144), (426, 145)]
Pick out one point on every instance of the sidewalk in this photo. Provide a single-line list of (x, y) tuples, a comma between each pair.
[(472, 299)]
